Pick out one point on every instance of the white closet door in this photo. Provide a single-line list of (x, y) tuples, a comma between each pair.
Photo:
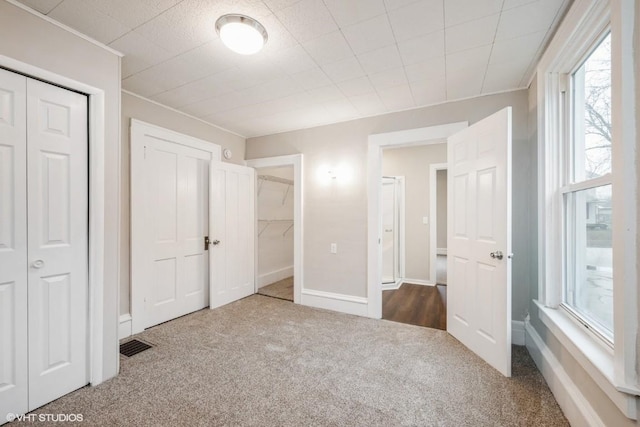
[(177, 196), (232, 232), (57, 241), (13, 245)]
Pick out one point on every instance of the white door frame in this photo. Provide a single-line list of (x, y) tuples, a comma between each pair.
[(433, 220), (96, 111), (377, 142), (296, 161), (138, 129)]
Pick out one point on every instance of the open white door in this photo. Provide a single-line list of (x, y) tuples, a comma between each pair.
[(232, 207), (479, 239)]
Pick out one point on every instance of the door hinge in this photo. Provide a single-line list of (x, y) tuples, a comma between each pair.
[(206, 243)]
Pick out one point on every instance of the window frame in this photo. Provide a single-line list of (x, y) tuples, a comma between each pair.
[(568, 184), (612, 368)]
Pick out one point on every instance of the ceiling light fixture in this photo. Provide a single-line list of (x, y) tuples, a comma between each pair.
[(241, 34)]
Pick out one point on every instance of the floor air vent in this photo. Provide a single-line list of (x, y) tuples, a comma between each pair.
[(133, 347)]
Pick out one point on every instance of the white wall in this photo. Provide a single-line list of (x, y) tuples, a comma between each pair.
[(150, 112), (413, 163), (275, 243), (30, 39), (336, 211)]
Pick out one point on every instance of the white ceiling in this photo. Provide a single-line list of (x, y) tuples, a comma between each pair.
[(325, 61)]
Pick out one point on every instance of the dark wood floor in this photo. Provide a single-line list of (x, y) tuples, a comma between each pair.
[(416, 305)]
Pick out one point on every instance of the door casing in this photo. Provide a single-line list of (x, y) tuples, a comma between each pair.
[(97, 203)]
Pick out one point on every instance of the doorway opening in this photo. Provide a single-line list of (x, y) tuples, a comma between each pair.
[(412, 297), (279, 221), (275, 243), (392, 231)]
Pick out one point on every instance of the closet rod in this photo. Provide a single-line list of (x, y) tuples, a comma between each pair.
[(275, 179)]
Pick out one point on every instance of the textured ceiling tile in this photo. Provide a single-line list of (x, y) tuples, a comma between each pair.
[(312, 79), (213, 105), (429, 92), (368, 104), (471, 34), (472, 61), (523, 47), (369, 35), (132, 13), (510, 4), (325, 94), (397, 4), (504, 76), (434, 69), (181, 28), (380, 59), (139, 52), (341, 109), (389, 78), (79, 15), (417, 19), (527, 19), (459, 11), (353, 11), (462, 84), (209, 87), (293, 60), (42, 6), (422, 48), (328, 48), (345, 69), (397, 97), (279, 4), (279, 38), (141, 86), (357, 86), (307, 19)]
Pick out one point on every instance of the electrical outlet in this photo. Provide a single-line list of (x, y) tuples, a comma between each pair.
[(334, 248), (425, 220)]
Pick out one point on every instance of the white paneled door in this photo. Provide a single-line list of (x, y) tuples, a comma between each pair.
[(43, 243), (479, 239), (232, 233), (171, 261)]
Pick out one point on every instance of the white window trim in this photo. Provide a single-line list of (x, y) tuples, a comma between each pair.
[(614, 371)]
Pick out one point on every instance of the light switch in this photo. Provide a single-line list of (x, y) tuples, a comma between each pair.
[(425, 220), (334, 248)]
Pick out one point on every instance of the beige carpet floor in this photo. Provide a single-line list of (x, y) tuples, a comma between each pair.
[(266, 362), (282, 289)]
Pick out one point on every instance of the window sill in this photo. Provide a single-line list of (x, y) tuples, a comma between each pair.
[(593, 356)]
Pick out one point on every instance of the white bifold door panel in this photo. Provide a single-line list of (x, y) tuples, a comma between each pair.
[(479, 239), (43, 243), (232, 233), (14, 387), (170, 220)]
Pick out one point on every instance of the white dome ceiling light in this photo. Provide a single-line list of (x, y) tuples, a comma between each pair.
[(241, 34)]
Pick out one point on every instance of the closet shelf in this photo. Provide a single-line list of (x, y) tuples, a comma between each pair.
[(268, 222), (275, 179)]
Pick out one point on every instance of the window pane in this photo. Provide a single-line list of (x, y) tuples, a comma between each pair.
[(592, 115), (589, 289)]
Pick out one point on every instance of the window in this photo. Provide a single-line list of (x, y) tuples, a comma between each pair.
[(587, 190)]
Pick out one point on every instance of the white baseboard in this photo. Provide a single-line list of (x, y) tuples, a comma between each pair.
[(574, 405), (337, 302), (124, 330), (392, 286), (441, 251), (517, 332), (418, 282), (274, 276)]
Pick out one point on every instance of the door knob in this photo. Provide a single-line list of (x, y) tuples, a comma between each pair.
[(215, 242), (37, 264), (496, 254)]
